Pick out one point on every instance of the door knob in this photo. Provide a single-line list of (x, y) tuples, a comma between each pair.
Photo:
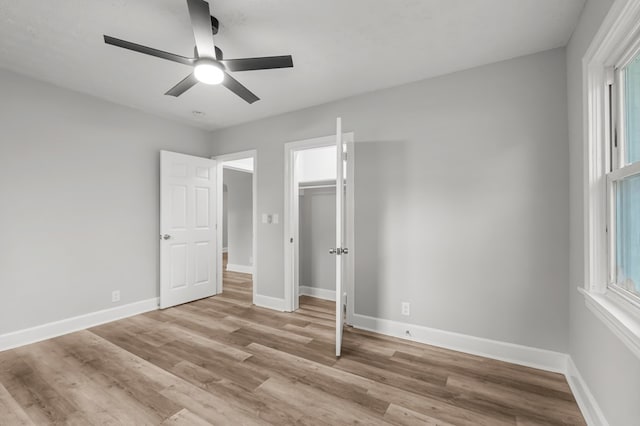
[(345, 251), (166, 236), (332, 251)]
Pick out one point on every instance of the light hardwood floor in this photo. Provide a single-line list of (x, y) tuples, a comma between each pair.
[(223, 361)]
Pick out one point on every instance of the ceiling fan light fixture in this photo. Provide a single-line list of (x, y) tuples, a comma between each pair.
[(208, 72)]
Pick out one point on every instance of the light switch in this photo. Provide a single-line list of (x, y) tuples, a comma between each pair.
[(275, 218), (265, 218)]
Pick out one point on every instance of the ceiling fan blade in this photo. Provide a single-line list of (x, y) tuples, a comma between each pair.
[(202, 32), (187, 83), (265, 63), (147, 50), (236, 87)]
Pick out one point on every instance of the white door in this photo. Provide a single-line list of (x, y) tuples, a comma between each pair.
[(187, 228), (340, 250)]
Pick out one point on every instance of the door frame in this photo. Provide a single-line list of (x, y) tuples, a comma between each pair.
[(220, 159), (291, 213)]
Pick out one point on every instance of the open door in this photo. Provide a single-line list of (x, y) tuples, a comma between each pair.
[(187, 228), (340, 251)]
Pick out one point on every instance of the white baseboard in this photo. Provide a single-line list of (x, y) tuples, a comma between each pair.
[(245, 269), (269, 302), (69, 325), (589, 407), (320, 293), (503, 351)]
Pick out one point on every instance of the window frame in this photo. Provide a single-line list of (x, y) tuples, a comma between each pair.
[(614, 43), (615, 168)]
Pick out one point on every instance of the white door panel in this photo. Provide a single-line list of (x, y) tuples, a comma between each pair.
[(187, 228)]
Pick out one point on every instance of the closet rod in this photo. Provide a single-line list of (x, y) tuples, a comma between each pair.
[(318, 186)]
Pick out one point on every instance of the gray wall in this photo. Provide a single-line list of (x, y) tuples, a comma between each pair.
[(611, 371), (317, 235), (461, 198), (239, 216), (79, 179)]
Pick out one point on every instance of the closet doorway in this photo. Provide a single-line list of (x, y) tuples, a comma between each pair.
[(316, 222), (310, 220), (237, 221)]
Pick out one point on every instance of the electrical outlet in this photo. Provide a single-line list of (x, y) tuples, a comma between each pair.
[(115, 296), (406, 308)]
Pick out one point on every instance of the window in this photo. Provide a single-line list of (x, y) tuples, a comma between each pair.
[(611, 72), (623, 179)]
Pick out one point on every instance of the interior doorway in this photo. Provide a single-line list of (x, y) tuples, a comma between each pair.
[(310, 219), (237, 221)]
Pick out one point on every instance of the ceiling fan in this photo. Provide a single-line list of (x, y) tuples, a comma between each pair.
[(208, 64)]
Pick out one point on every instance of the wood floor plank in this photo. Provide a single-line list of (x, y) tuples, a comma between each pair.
[(42, 402), (129, 379), (521, 380), (320, 405), (316, 375), (263, 407), (11, 412), (545, 409), (403, 416), (222, 360), (185, 417)]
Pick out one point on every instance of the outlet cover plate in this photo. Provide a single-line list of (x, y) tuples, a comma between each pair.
[(406, 308)]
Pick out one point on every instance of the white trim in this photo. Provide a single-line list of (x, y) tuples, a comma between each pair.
[(291, 189), (610, 309), (69, 325), (320, 293), (269, 302), (219, 193), (245, 269), (624, 172), (595, 180), (587, 403), (517, 354), (351, 231)]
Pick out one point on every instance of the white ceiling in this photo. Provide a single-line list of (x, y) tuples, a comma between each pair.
[(340, 48)]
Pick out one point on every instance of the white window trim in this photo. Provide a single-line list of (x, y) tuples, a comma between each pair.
[(620, 27)]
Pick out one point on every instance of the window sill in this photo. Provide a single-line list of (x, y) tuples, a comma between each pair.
[(618, 314)]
